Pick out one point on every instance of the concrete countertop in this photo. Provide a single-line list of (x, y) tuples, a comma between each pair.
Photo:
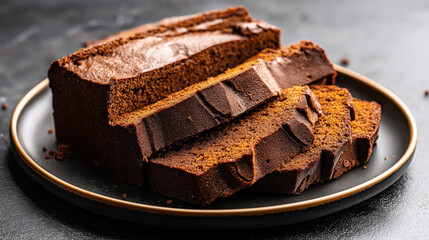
[(384, 40)]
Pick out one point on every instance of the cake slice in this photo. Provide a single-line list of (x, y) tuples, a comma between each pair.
[(237, 154), (128, 139), (364, 135), (332, 132)]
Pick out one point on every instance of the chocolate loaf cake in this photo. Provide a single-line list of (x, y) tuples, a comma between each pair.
[(364, 135), (237, 154), (332, 132), (95, 86)]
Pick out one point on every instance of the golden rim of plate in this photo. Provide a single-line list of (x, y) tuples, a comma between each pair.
[(288, 207)]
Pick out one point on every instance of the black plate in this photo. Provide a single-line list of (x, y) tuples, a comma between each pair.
[(82, 183)]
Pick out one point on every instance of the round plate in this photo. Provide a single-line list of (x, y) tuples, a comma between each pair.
[(80, 182)]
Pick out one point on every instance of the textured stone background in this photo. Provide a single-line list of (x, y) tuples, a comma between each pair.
[(384, 40)]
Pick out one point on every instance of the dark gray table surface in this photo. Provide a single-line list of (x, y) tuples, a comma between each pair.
[(387, 41)]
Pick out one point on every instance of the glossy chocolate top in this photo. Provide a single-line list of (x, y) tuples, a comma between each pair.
[(128, 58), (142, 55)]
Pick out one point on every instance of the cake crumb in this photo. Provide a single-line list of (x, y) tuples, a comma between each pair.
[(62, 153), (124, 196), (169, 202), (91, 180), (426, 92), (346, 163), (393, 156), (44, 149), (47, 156), (50, 130), (189, 118), (345, 61), (106, 191), (385, 158), (364, 167), (4, 106)]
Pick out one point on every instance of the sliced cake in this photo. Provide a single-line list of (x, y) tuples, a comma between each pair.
[(127, 139), (94, 86), (207, 104), (332, 132), (236, 155)]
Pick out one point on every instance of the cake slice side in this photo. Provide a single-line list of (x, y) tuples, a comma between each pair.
[(236, 155), (364, 136)]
